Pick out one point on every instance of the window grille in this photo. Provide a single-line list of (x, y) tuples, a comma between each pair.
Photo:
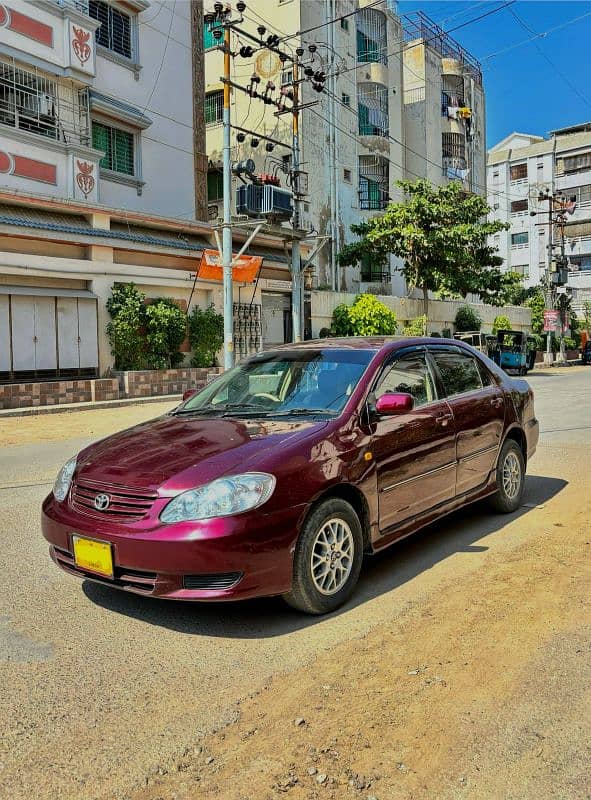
[(453, 145), (214, 107), (114, 32), (373, 110), (118, 147), (518, 205), (372, 272), (32, 102), (518, 172), (373, 182), (346, 100), (372, 45)]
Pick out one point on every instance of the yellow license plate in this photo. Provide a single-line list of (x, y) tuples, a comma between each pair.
[(93, 556)]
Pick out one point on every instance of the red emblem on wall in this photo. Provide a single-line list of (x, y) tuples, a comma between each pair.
[(80, 44), (84, 177)]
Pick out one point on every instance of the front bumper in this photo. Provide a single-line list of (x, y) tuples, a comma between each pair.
[(249, 555)]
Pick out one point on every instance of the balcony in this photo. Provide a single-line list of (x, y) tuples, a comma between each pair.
[(373, 110), (373, 183), (372, 42), (33, 103)]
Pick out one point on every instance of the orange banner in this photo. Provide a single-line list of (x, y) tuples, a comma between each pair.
[(245, 268)]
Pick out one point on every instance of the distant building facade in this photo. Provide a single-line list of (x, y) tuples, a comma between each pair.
[(522, 167)]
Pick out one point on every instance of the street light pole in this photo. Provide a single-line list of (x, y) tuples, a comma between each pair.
[(296, 267)]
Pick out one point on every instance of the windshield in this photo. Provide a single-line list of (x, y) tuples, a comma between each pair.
[(286, 383)]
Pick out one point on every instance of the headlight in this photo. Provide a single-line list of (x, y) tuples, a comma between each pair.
[(64, 479), (221, 498)]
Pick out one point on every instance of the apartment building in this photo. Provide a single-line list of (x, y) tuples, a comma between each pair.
[(102, 174), (399, 102), (521, 168), (444, 108)]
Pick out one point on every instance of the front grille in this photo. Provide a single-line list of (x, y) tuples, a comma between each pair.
[(124, 578), (220, 580), (125, 504)]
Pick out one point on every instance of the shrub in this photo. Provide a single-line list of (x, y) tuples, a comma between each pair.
[(206, 335), (324, 333), (415, 327), (166, 329), (368, 316), (125, 331), (467, 319), (501, 323)]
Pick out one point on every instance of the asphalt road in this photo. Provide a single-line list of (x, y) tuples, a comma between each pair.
[(101, 691)]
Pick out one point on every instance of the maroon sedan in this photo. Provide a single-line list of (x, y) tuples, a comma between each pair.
[(277, 477)]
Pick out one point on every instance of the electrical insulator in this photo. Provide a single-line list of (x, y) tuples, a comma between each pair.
[(246, 51), (241, 7)]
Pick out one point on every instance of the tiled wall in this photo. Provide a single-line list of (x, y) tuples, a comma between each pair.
[(147, 383), (52, 393)]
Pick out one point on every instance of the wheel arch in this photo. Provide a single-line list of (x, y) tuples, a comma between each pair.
[(517, 435), (355, 497)]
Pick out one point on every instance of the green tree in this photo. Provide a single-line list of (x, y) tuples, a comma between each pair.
[(441, 235), (587, 315), (125, 331), (501, 323), (367, 316), (537, 303), (166, 328), (467, 319), (206, 335)]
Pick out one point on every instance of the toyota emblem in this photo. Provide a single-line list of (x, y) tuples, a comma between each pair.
[(101, 502)]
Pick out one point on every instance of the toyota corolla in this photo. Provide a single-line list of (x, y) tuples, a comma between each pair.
[(277, 477)]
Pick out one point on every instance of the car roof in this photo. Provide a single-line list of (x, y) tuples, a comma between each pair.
[(373, 343)]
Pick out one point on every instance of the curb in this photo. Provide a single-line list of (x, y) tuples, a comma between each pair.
[(33, 411)]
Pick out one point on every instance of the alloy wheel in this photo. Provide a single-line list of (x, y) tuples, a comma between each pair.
[(511, 475), (332, 556)]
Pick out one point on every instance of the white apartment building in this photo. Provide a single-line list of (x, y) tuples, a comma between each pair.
[(102, 174), (519, 169)]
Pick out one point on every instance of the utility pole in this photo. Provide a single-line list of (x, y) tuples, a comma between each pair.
[(296, 266), (550, 198), (227, 223)]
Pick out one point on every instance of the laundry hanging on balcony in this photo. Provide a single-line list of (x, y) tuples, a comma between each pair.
[(455, 173)]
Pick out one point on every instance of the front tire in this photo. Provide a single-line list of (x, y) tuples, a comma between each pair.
[(510, 478), (327, 558)]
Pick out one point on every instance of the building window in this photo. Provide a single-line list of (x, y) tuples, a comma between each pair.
[(496, 176), (372, 272), (286, 163), (215, 185), (346, 100), (373, 182), (518, 205), (453, 145), (214, 107), (373, 110), (28, 101), (578, 163), (347, 175), (209, 39), (118, 147), (287, 77), (371, 37), (519, 238), (518, 172), (114, 32), (345, 24)]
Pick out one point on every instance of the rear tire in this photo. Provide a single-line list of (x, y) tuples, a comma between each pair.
[(510, 478), (327, 558)]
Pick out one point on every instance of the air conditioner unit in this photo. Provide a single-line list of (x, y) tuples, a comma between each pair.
[(256, 201)]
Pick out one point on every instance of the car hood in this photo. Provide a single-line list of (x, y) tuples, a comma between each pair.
[(178, 452)]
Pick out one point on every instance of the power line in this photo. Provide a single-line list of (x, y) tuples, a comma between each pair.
[(172, 13)]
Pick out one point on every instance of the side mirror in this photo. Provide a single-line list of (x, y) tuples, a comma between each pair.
[(393, 403), (188, 393)]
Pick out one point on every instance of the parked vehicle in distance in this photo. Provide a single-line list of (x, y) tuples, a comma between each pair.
[(512, 351), (586, 353), (278, 476), (480, 341)]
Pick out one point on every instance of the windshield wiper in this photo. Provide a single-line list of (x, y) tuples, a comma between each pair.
[(300, 412), (221, 408)]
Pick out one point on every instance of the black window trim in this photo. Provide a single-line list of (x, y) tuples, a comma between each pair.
[(449, 348)]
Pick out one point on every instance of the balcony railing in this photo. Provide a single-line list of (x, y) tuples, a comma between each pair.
[(372, 43), (76, 5), (373, 110), (33, 103)]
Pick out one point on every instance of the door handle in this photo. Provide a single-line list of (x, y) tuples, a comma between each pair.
[(443, 419), (496, 402)]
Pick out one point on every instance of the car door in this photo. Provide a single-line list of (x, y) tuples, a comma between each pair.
[(414, 452), (478, 405)]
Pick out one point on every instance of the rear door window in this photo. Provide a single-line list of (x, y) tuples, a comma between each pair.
[(459, 371), (409, 374)]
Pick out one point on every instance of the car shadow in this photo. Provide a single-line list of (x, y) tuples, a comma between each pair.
[(389, 569)]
